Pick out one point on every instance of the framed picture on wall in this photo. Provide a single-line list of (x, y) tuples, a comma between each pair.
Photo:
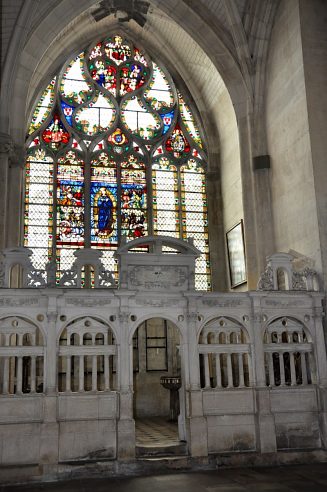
[(236, 254)]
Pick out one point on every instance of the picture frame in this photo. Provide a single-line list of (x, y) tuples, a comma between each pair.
[(236, 255)]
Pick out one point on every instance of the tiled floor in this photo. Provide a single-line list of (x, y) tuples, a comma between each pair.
[(300, 478), (156, 431)]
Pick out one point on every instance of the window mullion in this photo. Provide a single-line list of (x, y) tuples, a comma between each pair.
[(179, 194), (55, 208), (87, 201)]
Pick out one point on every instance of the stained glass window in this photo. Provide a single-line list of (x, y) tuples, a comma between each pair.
[(114, 151)]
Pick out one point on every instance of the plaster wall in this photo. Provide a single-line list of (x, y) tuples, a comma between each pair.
[(288, 136)]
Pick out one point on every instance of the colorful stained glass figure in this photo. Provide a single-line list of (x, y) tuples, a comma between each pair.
[(117, 51), (103, 212), (96, 51), (74, 87), (140, 121), (133, 198), (167, 119), (70, 199), (140, 57), (43, 107), (159, 93), (55, 135), (188, 121), (177, 144), (132, 77), (96, 117), (105, 74)]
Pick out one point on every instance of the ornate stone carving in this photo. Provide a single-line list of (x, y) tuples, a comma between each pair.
[(266, 280), (157, 277), (6, 144), (123, 317), (157, 302), (87, 301), (226, 303), (36, 278), (19, 301), (51, 270), (106, 278), (298, 282), (69, 278)]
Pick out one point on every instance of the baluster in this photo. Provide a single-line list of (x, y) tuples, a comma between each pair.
[(33, 374), (19, 377), (68, 372), (94, 373), (229, 371), (81, 373), (304, 369), (251, 376), (106, 373), (218, 371), (240, 371), (293, 372), (5, 386), (271, 369), (281, 369), (206, 371)]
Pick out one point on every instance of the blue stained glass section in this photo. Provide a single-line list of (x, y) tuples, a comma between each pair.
[(104, 212), (68, 112), (167, 119)]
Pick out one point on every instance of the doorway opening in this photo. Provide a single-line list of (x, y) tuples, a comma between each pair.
[(158, 390)]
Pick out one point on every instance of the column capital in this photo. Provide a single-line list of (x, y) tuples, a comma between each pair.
[(6, 144), (15, 153)]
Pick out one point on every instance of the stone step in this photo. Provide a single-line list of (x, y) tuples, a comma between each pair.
[(161, 450)]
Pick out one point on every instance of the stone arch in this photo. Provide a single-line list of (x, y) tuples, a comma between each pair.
[(86, 366)]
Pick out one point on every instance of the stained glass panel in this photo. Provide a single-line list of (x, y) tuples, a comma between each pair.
[(177, 144), (55, 135), (132, 77), (165, 198), (188, 121), (43, 107), (73, 85), (116, 179), (140, 121), (70, 201), (96, 117), (104, 213), (133, 198), (38, 221), (159, 93), (195, 220)]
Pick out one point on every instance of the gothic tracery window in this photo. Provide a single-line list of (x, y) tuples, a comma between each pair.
[(113, 151)]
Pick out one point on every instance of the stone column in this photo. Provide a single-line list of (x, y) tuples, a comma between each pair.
[(6, 149), (198, 439), (316, 328), (265, 422), (126, 423), (49, 439)]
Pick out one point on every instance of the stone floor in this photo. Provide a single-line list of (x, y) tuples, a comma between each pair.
[(156, 430), (299, 478)]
